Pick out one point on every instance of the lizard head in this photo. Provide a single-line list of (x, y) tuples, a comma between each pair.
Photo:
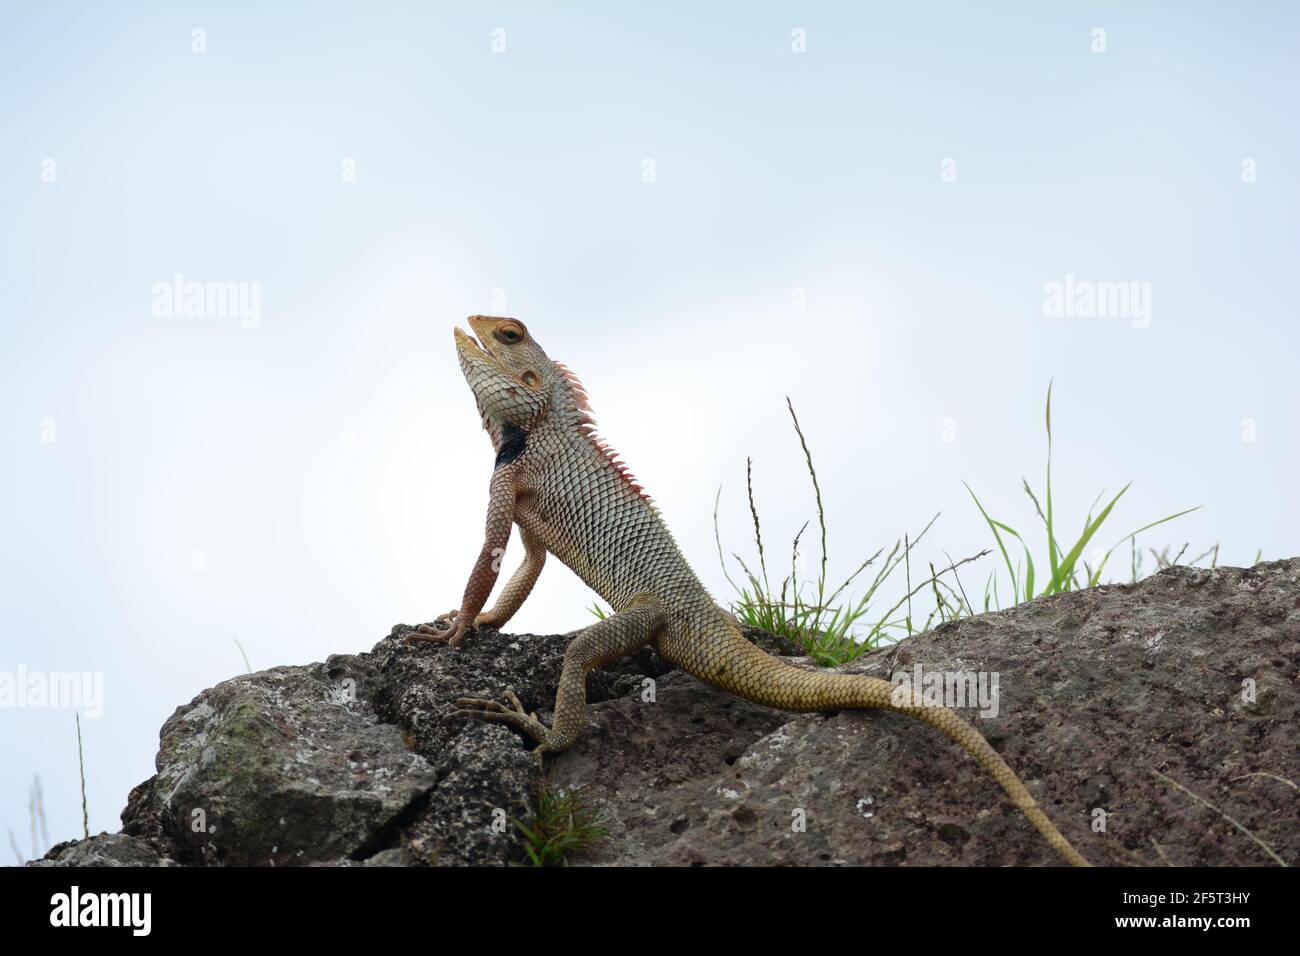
[(510, 375)]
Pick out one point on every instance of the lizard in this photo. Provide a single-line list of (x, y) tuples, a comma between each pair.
[(572, 497)]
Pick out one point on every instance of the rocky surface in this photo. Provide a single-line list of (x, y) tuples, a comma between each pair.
[(1167, 711)]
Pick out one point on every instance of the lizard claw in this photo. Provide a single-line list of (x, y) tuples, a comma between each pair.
[(492, 706), (512, 712), (444, 630)]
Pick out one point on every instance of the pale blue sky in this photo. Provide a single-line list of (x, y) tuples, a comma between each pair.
[(303, 485)]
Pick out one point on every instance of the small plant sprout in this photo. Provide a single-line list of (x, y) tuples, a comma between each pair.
[(563, 824)]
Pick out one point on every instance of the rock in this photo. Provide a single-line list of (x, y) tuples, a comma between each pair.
[(106, 849), (487, 774), (1128, 703), (649, 763), (1162, 708), (287, 766)]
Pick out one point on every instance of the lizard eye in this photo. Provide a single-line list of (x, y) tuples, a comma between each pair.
[(510, 334)]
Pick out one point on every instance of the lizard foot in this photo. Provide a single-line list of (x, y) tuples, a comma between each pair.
[(512, 712), (444, 630)]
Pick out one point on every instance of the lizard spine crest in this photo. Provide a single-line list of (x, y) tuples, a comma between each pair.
[(581, 415)]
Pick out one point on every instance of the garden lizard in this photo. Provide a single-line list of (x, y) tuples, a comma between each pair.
[(572, 497)]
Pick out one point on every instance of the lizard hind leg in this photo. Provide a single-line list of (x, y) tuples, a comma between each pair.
[(602, 643)]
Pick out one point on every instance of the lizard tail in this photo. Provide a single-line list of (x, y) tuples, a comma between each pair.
[(755, 675)]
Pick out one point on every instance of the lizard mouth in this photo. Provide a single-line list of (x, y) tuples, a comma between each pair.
[(473, 344)]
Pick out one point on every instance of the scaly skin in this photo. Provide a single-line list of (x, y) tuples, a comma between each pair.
[(571, 497)]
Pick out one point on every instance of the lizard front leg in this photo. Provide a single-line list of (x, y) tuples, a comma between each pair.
[(519, 586), (618, 636), (501, 512)]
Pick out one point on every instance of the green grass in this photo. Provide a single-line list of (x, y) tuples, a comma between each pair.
[(1065, 568), (1162, 559), (247, 665), (832, 626), (828, 623), (563, 823), (81, 767), (36, 817)]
